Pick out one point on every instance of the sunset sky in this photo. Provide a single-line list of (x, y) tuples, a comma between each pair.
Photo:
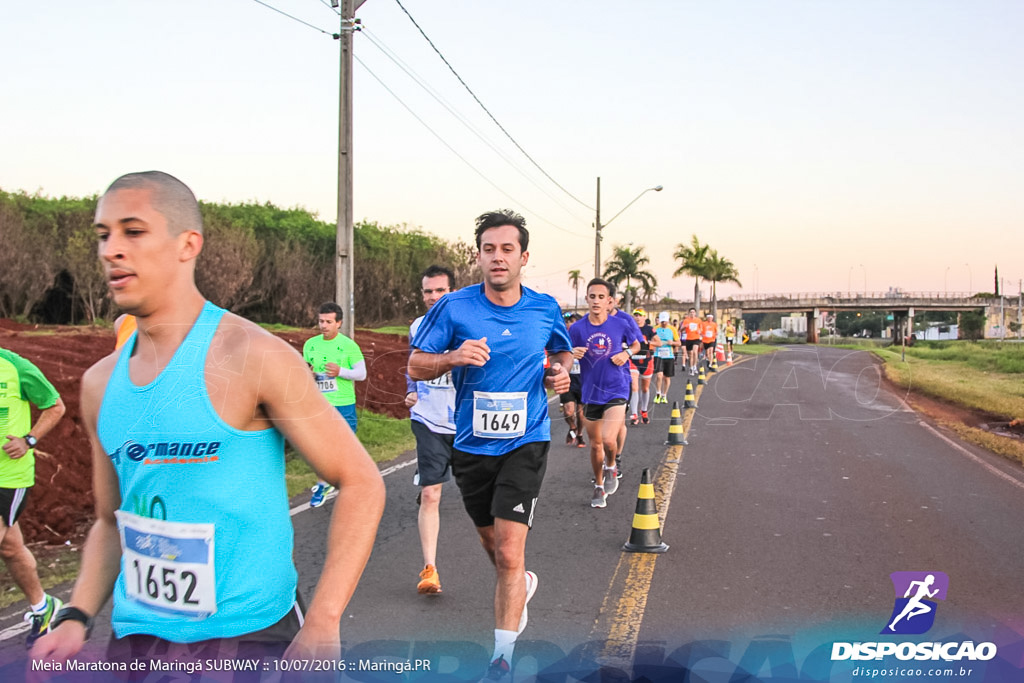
[(820, 145)]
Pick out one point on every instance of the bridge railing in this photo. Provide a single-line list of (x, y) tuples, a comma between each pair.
[(888, 297)]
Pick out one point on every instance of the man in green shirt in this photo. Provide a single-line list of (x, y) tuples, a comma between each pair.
[(21, 383), (337, 364)]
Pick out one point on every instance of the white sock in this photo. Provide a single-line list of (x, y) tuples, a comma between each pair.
[(634, 400), (41, 606), (504, 644), (645, 400)]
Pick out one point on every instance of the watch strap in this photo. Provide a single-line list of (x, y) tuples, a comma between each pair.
[(30, 440), (69, 613)]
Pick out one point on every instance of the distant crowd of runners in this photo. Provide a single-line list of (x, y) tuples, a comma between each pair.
[(188, 417)]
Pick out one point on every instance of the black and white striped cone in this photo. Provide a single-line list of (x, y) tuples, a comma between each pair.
[(702, 378), (646, 534)]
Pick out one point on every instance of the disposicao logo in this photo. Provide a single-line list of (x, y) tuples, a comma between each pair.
[(913, 612)]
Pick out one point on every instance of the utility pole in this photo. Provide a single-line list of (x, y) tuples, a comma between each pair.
[(344, 266), (597, 232)]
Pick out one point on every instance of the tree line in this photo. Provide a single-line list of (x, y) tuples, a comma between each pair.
[(269, 264), (627, 269)]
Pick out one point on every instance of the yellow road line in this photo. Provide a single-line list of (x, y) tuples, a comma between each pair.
[(617, 626)]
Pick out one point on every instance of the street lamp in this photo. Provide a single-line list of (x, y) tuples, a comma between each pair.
[(598, 225)]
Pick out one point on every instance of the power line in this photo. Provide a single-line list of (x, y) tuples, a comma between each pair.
[(330, 7), (304, 23), (456, 153), (390, 54), (502, 128)]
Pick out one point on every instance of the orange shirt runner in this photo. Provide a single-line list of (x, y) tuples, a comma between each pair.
[(691, 328), (709, 331)]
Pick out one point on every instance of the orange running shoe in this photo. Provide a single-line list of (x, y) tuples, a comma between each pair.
[(430, 582)]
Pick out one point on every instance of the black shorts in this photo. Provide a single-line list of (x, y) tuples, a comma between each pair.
[(595, 411), (433, 454), (692, 344), (270, 642), (728, 340), (666, 366), (575, 393), (12, 503), (505, 486), (710, 345)]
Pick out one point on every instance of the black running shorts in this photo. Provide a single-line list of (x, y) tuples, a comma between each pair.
[(433, 454), (12, 503), (504, 486), (595, 411), (575, 393), (666, 366)]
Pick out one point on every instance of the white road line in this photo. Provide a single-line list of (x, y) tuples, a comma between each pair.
[(991, 468), (333, 494)]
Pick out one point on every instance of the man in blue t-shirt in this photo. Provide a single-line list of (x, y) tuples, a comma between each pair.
[(603, 344), (492, 338)]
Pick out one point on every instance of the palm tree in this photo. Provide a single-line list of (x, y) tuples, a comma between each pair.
[(626, 265), (717, 270), (693, 258), (575, 278)]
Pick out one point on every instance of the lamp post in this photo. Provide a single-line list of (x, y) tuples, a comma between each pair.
[(598, 226)]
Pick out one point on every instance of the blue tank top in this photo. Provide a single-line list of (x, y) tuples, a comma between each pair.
[(205, 531)]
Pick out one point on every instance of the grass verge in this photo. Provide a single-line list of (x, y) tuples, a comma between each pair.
[(391, 329), (55, 564), (384, 438)]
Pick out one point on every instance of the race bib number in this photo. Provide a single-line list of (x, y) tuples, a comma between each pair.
[(326, 384), (499, 415), (575, 367), (168, 566), (442, 382)]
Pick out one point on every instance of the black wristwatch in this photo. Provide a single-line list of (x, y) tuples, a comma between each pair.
[(30, 440), (72, 614)]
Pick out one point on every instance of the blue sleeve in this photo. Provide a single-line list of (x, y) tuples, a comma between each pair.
[(436, 332), (559, 340)]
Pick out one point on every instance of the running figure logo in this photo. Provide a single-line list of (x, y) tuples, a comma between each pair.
[(914, 612)]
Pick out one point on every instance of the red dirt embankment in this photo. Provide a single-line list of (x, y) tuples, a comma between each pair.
[(60, 506)]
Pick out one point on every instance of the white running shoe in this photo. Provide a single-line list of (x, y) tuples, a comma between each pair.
[(611, 480), (531, 588), (600, 498)]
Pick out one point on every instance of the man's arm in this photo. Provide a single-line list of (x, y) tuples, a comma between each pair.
[(323, 438), (557, 378), (16, 446), (425, 366), (101, 555), (357, 373)]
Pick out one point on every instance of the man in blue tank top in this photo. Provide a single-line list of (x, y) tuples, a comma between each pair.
[(492, 338), (187, 423)]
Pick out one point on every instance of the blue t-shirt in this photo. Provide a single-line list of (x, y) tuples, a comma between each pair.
[(602, 380), (502, 405)]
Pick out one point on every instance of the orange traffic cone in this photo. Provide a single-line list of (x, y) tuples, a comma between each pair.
[(675, 428), (646, 534), (728, 358)]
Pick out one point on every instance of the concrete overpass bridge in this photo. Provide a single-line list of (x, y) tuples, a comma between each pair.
[(902, 305)]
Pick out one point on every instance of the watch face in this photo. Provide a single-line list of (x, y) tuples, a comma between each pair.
[(31, 441)]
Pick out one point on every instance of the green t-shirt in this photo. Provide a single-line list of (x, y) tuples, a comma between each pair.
[(21, 383), (318, 352)]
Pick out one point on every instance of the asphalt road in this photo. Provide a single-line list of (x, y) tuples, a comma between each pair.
[(805, 484)]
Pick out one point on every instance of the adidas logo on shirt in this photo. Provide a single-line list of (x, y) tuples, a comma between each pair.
[(519, 509), (506, 333)]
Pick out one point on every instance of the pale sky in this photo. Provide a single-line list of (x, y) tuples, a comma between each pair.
[(821, 145)]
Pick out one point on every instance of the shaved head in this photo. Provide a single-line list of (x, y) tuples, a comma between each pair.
[(171, 198)]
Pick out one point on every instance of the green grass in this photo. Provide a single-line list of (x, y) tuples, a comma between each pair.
[(754, 349), (976, 378), (55, 564), (384, 438), (391, 329), (277, 327)]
